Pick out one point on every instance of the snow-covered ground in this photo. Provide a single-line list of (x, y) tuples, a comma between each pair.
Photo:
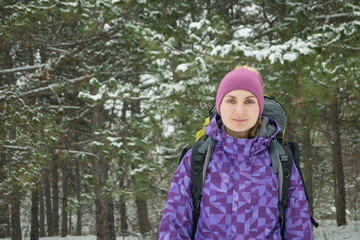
[(327, 231), (77, 238)]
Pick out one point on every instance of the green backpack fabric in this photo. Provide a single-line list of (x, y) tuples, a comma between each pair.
[(283, 155)]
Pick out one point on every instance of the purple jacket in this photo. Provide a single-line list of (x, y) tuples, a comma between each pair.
[(240, 197)]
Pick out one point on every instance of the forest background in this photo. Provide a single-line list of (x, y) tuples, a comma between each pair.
[(98, 98)]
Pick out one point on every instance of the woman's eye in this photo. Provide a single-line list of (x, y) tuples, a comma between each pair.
[(231, 101), (249, 101)]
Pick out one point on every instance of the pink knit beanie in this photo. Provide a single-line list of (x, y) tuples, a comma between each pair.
[(244, 79)]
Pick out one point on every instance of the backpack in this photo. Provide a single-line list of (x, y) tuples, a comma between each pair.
[(283, 155)]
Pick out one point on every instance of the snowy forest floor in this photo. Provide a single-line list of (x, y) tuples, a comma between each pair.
[(326, 231)]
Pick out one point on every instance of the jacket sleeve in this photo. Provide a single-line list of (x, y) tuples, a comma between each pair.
[(177, 221), (297, 214)]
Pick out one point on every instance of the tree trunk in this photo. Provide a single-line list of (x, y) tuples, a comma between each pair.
[(307, 153), (104, 207), (4, 221), (55, 188), (34, 234), (5, 161), (64, 227), (15, 199), (141, 203), (4, 208), (10, 78), (123, 216), (49, 212), (15, 215), (78, 197), (103, 201), (142, 213), (338, 171), (42, 212), (70, 224)]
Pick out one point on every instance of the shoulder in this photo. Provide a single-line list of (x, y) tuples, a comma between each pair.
[(185, 163)]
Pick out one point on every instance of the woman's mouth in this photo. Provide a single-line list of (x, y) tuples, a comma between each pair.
[(239, 120)]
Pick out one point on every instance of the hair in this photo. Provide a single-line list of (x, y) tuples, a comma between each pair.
[(253, 130), (248, 68)]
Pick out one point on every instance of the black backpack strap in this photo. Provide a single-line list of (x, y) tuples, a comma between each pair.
[(294, 146), (282, 161), (282, 157), (184, 151), (200, 157), (286, 164)]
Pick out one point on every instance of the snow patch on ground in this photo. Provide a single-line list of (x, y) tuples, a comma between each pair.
[(328, 230)]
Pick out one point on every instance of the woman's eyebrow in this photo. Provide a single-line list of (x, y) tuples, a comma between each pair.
[(252, 96), (231, 96)]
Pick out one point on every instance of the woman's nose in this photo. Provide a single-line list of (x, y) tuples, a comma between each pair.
[(239, 109)]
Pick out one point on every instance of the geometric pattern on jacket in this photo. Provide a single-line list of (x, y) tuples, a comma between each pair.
[(240, 196)]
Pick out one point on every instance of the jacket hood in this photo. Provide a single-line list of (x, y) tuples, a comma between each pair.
[(269, 128)]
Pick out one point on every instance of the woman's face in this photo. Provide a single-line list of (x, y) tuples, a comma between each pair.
[(239, 112)]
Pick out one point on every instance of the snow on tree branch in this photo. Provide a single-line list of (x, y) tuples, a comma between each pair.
[(22, 69), (20, 148), (49, 89), (77, 152)]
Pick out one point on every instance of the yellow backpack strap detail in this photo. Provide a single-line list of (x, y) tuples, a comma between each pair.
[(206, 123), (201, 132)]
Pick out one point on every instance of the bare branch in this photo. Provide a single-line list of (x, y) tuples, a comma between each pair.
[(79, 79), (49, 89), (58, 50), (19, 148), (77, 152), (22, 69), (63, 107), (347, 47), (351, 140), (335, 15), (12, 147)]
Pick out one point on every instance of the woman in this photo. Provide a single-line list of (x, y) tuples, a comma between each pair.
[(240, 196)]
